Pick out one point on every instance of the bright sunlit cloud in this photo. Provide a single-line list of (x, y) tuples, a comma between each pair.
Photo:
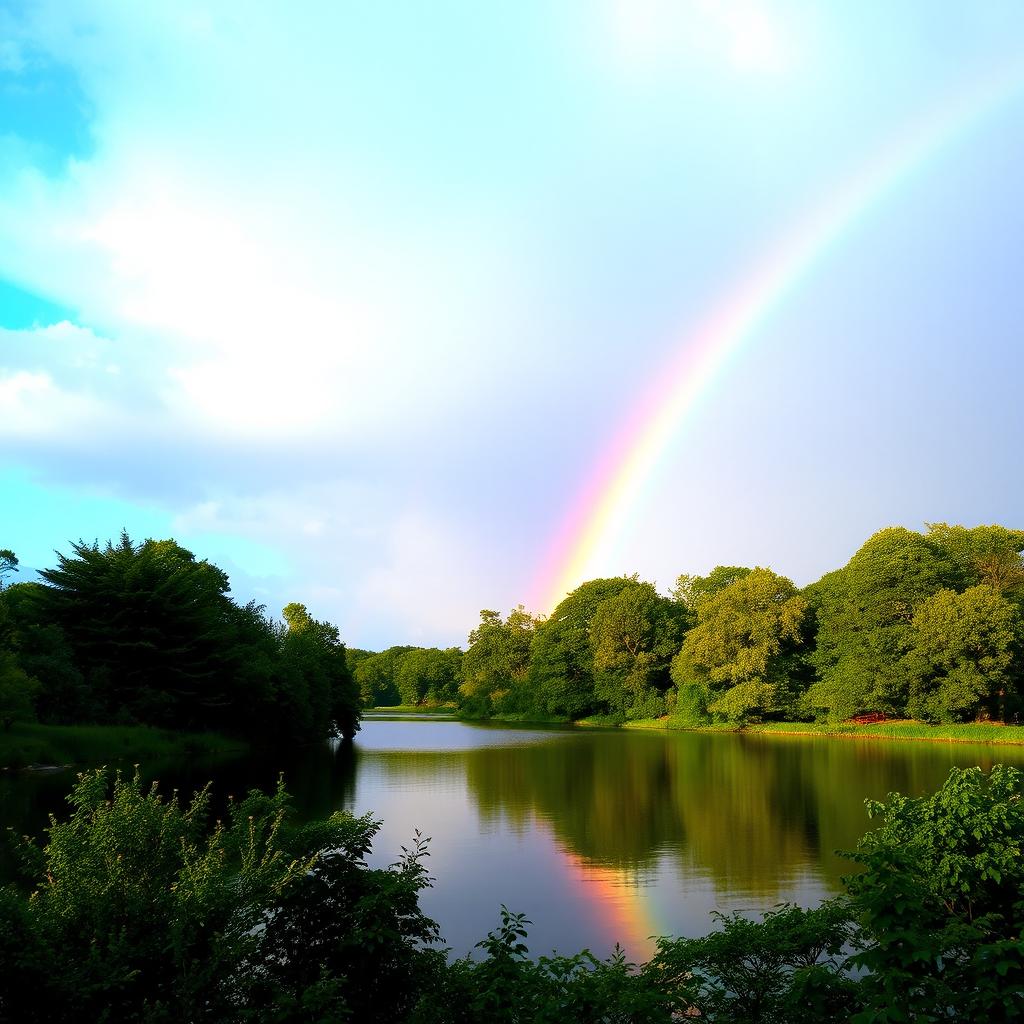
[(745, 36)]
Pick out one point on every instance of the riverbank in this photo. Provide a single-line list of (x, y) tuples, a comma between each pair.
[(991, 733), (968, 732), (26, 744), (412, 709)]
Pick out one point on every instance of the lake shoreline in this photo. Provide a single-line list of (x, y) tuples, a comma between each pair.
[(976, 733), (994, 735)]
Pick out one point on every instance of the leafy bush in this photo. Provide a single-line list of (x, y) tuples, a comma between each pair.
[(940, 902), (145, 910)]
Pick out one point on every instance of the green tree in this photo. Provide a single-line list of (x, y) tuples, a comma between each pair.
[(42, 650), (742, 653), (865, 615), (561, 658), (634, 635), (8, 564), (17, 691), (692, 590), (376, 677), (327, 697), (148, 633), (428, 674), (497, 661), (149, 627), (39, 648), (984, 554), (962, 654), (355, 656)]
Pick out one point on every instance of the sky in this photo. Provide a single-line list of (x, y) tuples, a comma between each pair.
[(356, 300)]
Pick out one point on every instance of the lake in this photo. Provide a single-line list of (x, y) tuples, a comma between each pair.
[(598, 836)]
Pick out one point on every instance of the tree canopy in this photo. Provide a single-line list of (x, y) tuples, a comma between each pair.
[(741, 650), (147, 633)]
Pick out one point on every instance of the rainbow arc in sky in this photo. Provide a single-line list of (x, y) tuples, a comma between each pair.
[(607, 505)]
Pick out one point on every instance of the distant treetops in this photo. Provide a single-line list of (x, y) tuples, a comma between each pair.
[(928, 626), (147, 634)]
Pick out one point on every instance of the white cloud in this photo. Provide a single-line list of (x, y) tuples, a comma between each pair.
[(34, 407), (648, 37), (58, 382)]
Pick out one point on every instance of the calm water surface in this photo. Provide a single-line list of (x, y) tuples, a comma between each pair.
[(598, 836)]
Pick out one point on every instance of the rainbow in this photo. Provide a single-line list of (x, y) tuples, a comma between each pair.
[(583, 548), (625, 910)]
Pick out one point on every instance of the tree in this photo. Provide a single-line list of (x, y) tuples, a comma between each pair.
[(375, 675), (743, 648), (865, 615), (633, 636), (561, 658), (148, 633), (328, 697), (427, 674), (984, 554), (692, 590), (149, 625), (8, 564), (962, 653), (495, 666), (17, 690)]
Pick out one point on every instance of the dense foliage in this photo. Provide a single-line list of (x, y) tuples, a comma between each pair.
[(140, 908), (928, 626), (147, 634), (407, 675), (922, 625)]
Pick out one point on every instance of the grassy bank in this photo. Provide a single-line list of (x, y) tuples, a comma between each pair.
[(524, 718), (31, 744), (968, 732), (412, 709)]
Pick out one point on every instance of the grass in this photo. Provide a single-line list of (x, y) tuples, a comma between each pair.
[(524, 718), (413, 709), (679, 725), (27, 743), (967, 732), (605, 722)]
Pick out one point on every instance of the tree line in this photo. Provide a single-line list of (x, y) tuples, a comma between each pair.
[(146, 633), (922, 625), (141, 908)]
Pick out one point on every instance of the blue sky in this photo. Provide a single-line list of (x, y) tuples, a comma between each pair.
[(349, 298)]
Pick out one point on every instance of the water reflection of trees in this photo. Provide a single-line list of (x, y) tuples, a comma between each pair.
[(751, 812)]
